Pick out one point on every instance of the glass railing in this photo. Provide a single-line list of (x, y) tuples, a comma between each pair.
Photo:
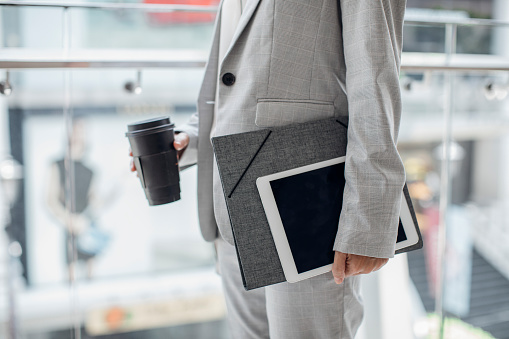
[(115, 266)]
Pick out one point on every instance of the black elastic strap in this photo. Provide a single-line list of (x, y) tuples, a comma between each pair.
[(249, 165), (342, 124)]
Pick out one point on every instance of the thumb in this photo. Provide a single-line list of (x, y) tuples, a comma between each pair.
[(181, 141), (339, 267)]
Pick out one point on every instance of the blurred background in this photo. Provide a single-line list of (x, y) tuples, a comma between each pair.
[(74, 73)]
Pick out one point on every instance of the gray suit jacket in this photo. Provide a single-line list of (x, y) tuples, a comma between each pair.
[(303, 60)]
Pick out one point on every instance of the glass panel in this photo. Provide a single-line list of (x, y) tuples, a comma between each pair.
[(420, 134), (423, 39), (127, 28), (23, 27), (138, 29), (475, 275), (478, 201), (94, 254), (82, 247), (127, 258)]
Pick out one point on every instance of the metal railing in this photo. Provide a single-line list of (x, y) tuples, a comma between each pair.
[(139, 59), (448, 62), (113, 6), (199, 8), (67, 58), (11, 59)]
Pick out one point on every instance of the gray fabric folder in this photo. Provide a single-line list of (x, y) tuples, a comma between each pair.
[(244, 157)]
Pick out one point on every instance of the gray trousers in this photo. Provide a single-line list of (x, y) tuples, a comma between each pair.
[(310, 309)]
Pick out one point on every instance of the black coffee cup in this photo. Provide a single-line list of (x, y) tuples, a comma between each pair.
[(155, 159)]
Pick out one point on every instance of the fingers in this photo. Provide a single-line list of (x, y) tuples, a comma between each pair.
[(359, 264), (381, 263), (339, 266), (181, 141), (356, 265), (131, 163)]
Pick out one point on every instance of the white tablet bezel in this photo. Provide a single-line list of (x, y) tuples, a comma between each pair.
[(278, 231)]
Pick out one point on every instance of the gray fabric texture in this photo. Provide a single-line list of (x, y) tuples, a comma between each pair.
[(313, 308), (246, 310), (284, 148), (292, 61), (244, 157)]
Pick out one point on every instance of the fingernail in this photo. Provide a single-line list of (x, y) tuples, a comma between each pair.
[(338, 280)]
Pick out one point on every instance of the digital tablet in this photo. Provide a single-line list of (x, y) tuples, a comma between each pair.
[(303, 206)]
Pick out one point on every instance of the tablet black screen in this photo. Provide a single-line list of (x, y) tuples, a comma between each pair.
[(309, 205), (401, 233)]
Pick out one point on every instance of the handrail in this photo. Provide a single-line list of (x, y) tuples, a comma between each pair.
[(458, 22), (411, 61), (114, 6), (445, 68), (20, 58), (152, 58), (199, 8)]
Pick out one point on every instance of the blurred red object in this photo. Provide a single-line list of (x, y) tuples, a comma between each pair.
[(161, 18)]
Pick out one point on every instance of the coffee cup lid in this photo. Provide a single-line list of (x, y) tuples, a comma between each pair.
[(150, 125)]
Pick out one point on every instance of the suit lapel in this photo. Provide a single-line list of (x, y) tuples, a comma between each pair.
[(208, 88), (244, 20)]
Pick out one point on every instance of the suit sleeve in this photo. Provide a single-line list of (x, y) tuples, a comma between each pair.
[(374, 172), (190, 155)]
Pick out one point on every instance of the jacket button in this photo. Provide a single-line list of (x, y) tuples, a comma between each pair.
[(228, 79)]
